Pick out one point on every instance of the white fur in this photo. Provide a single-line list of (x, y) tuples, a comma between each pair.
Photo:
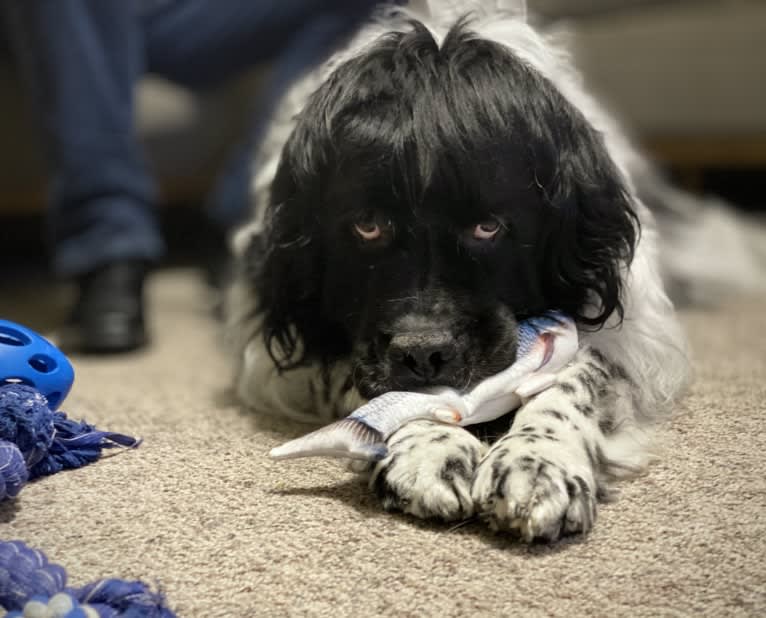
[(414, 469), (648, 344)]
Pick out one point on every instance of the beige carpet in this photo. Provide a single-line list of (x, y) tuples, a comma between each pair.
[(226, 532)]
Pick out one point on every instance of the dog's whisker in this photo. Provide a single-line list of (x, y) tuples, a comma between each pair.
[(402, 299), (465, 522)]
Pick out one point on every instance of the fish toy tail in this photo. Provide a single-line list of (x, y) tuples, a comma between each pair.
[(348, 437)]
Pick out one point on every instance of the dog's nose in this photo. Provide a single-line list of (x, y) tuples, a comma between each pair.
[(421, 357)]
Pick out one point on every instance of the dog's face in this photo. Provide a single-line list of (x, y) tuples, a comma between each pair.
[(427, 290), (428, 198)]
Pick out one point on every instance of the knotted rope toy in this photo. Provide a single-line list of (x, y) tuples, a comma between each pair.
[(35, 439), (32, 587)]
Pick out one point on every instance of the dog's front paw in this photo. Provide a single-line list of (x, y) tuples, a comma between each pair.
[(537, 495), (428, 470)]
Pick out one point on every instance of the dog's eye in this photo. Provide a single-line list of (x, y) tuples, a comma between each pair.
[(373, 228), (368, 230), (486, 230)]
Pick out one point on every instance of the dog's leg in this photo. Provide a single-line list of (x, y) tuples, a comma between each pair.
[(428, 470), (543, 477)]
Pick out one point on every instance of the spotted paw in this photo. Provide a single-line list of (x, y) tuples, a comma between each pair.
[(428, 471), (537, 493)]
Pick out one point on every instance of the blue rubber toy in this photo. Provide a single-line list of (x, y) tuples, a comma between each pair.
[(29, 358)]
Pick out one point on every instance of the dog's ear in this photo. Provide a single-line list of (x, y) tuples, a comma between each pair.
[(285, 263), (594, 224), (591, 225)]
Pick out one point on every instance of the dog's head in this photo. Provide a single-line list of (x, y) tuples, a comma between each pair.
[(428, 197)]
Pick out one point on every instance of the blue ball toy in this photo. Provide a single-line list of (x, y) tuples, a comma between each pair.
[(28, 358)]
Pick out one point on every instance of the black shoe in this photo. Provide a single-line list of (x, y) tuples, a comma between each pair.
[(109, 314)]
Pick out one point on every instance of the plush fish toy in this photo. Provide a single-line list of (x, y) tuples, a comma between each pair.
[(546, 344)]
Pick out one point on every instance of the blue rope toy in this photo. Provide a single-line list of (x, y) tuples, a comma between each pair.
[(36, 440), (32, 587)]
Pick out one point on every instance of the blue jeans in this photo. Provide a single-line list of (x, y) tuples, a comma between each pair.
[(83, 59)]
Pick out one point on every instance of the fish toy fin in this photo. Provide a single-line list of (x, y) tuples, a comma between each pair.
[(348, 437), (534, 384), (447, 415)]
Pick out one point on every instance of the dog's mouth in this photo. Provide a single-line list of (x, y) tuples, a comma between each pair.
[(373, 381), (376, 371), (420, 350)]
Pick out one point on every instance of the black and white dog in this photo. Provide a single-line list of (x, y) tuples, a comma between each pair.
[(432, 183)]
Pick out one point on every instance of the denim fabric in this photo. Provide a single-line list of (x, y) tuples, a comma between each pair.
[(82, 59)]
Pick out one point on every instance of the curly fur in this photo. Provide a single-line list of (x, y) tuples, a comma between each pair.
[(430, 121)]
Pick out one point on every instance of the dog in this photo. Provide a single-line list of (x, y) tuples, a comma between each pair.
[(438, 179)]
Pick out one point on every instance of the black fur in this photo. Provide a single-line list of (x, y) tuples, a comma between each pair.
[(427, 142)]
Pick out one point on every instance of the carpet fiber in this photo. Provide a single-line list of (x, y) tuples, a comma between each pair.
[(200, 509)]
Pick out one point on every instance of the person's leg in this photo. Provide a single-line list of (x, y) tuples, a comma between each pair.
[(82, 59), (202, 43)]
